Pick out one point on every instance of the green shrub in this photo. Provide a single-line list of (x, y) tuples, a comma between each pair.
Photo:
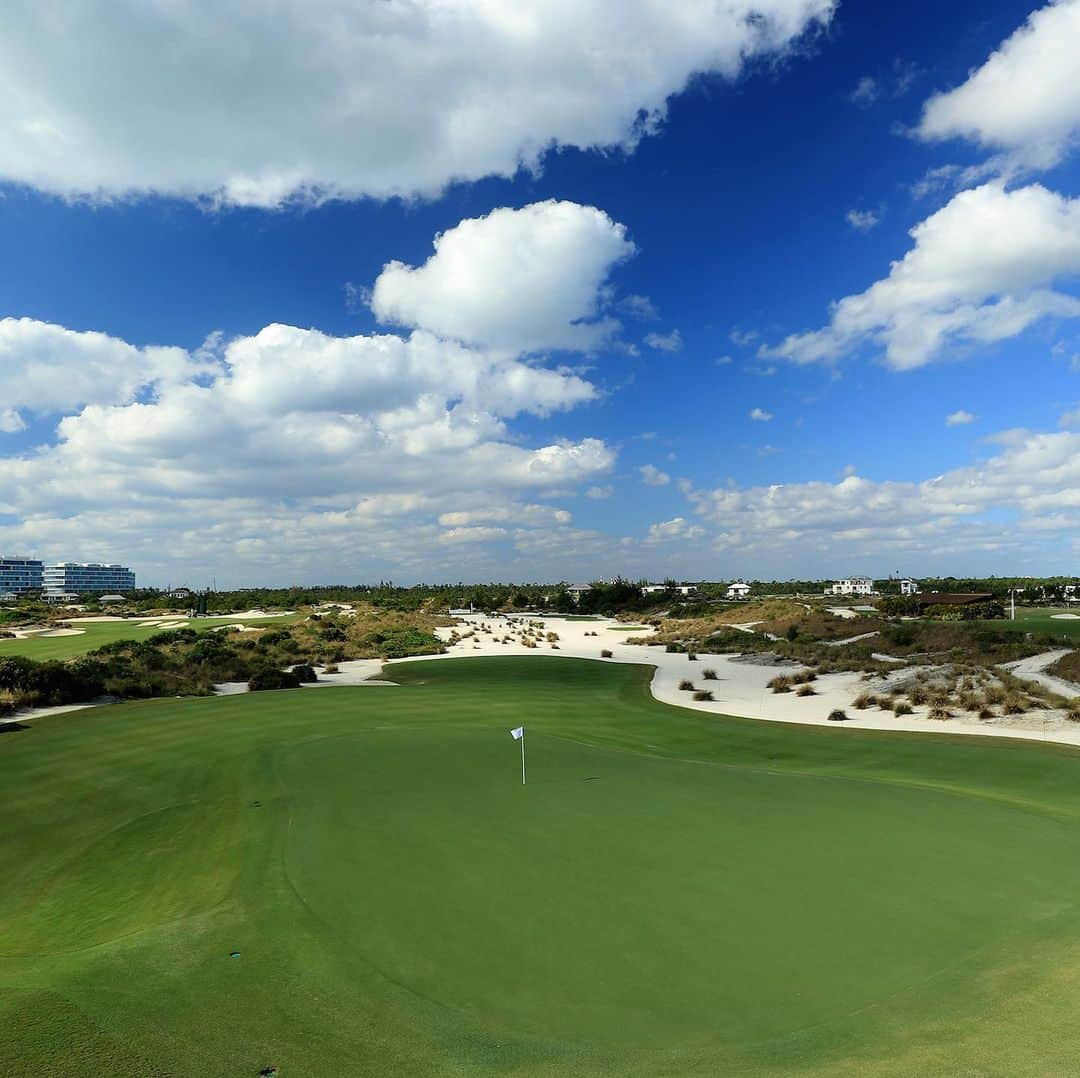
[(703, 694), (305, 673), (837, 715), (709, 674), (902, 708), (605, 653), (272, 678), (686, 686)]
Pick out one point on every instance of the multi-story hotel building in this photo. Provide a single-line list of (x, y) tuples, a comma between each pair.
[(75, 578), (20, 575)]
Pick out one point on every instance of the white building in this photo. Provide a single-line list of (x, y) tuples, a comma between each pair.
[(738, 591), (682, 589), (909, 587), (576, 591), (855, 585)]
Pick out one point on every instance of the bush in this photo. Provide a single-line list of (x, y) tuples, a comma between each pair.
[(709, 674), (692, 656), (271, 678), (902, 708), (806, 690), (332, 668), (836, 715), (686, 686), (703, 694), (780, 684), (305, 673), (940, 714), (988, 713), (863, 701), (605, 653)]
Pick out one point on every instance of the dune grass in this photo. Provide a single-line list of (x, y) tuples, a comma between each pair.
[(671, 894)]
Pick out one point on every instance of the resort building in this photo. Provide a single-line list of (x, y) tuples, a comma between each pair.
[(682, 589), (738, 591), (20, 575), (909, 587), (70, 578), (576, 591), (855, 585)]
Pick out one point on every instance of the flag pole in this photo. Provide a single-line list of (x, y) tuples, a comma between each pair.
[(522, 757)]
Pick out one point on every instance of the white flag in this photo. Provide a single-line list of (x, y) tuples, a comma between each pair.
[(518, 733)]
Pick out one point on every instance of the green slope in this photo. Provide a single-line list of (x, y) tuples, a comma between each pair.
[(670, 894)]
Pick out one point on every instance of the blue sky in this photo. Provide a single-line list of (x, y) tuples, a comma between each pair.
[(777, 439)]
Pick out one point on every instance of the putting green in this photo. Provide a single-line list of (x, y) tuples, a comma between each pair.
[(670, 894)]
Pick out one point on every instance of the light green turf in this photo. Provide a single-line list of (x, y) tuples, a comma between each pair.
[(671, 894), (1041, 620), (99, 633)]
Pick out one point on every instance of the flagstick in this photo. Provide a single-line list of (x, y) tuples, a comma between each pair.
[(522, 757)]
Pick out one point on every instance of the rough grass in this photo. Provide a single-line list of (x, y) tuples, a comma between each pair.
[(1067, 667), (402, 906)]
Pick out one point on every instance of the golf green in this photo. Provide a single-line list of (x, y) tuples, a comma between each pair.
[(355, 881)]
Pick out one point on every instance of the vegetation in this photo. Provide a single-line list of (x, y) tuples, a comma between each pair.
[(399, 904)]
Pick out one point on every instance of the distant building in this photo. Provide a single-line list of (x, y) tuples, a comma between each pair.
[(112, 599), (69, 578), (738, 591), (855, 585), (20, 575), (8, 597), (181, 593), (682, 589), (576, 591), (1071, 593), (909, 587)]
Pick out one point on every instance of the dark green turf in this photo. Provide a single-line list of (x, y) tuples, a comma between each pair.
[(671, 893)]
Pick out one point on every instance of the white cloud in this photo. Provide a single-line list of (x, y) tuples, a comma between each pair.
[(1036, 477), (866, 92), (45, 368), (959, 419), (743, 338), (861, 220), (665, 342), (598, 494), (759, 415), (978, 272), (679, 528), (1025, 99), (639, 307), (1070, 418), (331, 99), (516, 280), (305, 454), (10, 421), (723, 361), (651, 476)]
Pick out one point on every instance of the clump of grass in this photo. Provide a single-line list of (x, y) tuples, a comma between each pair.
[(940, 714), (863, 701), (686, 686), (917, 696), (782, 683), (902, 707), (806, 690), (333, 668), (1073, 714), (988, 713), (703, 694), (605, 653), (709, 674), (803, 677), (1014, 704), (692, 656), (837, 715)]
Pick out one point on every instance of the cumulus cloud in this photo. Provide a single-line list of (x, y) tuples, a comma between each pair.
[(1036, 476), (861, 220), (959, 419), (11, 421), (121, 97), (522, 281), (651, 476), (45, 368), (979, 271), (759, 415), (679, 528), (665, 342), (1025, 99), (297, 447)]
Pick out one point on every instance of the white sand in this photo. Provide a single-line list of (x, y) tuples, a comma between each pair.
[(741, 687), (1066, 617), (1032, 670)]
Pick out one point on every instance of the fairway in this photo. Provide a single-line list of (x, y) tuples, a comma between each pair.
[(671, 893)]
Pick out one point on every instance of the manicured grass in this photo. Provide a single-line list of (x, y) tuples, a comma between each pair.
[(99, 633), (671, 894), (1041, 620)]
